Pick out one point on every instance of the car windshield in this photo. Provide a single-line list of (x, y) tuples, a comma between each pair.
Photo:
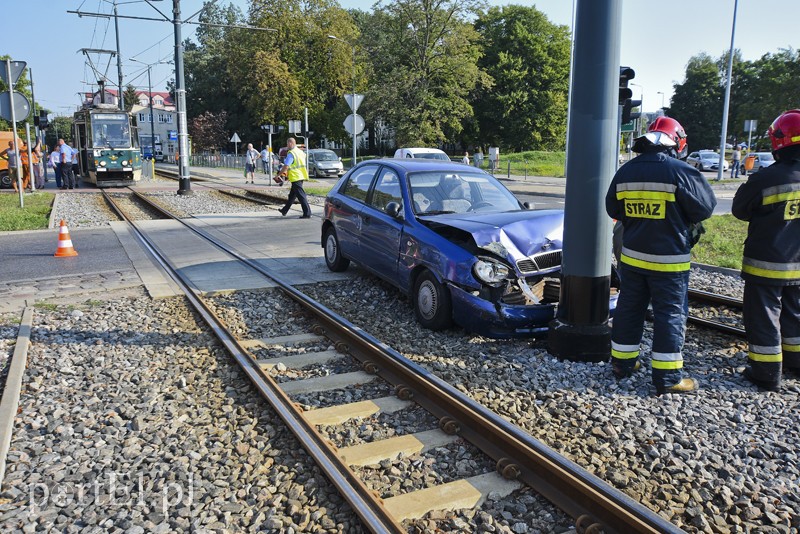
[(326, 155), (435, 193), (431, 155), (766, 157), (709, 155)]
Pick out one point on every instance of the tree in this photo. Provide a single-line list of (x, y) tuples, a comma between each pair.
[(129, 97), (208, 130), (425, 59), (528, 57), (697, 102)]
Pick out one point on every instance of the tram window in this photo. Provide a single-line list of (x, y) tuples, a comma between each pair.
[(111, 130)]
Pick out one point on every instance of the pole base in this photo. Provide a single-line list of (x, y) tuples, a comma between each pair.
[(582, 343), (185, 187)]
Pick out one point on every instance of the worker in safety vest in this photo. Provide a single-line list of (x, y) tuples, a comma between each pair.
[(660, 201), (294, 168), (770, 201)]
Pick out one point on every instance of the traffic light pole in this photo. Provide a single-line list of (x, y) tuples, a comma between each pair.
[(580, 330)]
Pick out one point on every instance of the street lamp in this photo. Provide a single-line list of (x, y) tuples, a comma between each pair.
[(355, 135), (662, 98), (641, 108), (150, 99)]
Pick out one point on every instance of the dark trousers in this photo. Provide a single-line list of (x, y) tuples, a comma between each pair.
[(67, 176), (772, 324), (57, 171), (297, 193), (668, 293)]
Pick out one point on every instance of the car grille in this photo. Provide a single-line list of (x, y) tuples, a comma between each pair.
[(540, 262)]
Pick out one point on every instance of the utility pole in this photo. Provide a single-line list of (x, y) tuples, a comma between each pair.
[(119, 57), (184, 181), (727, 103)]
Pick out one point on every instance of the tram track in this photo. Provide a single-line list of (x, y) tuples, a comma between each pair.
[(519, 458)]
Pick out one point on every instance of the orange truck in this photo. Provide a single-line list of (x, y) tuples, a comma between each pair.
[(5, 179)]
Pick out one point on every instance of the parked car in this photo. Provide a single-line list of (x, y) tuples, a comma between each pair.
[(706, 160), (421, 153), (454, 239), (760, 160), (325, 163)]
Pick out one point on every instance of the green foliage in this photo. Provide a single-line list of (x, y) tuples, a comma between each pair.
[(208, 131), (129, 97), (528, 58), (697, 103), (723, 242), (34, 216)]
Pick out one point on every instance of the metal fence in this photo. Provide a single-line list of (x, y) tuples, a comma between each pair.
[(217, 160)]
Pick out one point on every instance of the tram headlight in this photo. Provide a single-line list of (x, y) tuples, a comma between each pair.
[(102, 163), (490, 272), (124, 162)]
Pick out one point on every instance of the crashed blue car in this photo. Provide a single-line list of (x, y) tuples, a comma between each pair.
[(454, 239)]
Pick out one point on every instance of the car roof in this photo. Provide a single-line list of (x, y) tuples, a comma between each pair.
[(421, 165), (321, 150)]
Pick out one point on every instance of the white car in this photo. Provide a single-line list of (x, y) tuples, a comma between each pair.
[(325, 163), (421, 153), (760, 160), (706, 160)]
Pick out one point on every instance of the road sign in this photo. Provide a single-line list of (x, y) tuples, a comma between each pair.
[(235, 138), (16, 71), (22, 107), (359, 126), (750, 126), (295, 127), (627, 127), (349, 99)]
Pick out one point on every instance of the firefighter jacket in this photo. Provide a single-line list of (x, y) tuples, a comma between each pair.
[(659, 200), (770, 201)]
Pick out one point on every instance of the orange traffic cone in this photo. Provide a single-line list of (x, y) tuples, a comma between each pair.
[(64, 243)]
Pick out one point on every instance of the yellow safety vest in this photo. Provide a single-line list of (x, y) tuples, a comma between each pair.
[(297, 170)]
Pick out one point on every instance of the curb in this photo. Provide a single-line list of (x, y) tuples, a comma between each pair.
[(53, 212), (10, 402)]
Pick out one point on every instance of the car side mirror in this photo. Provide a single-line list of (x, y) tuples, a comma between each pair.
[(392, 209), (528, 205)]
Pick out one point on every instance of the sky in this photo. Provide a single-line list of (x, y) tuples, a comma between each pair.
[(658, 39)]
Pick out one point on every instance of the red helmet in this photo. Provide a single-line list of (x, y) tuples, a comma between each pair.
[(673, 130), (785, 130)]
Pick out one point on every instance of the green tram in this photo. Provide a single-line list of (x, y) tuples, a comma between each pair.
[(107, 145)]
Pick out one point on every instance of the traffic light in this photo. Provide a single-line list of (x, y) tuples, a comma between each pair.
[(626, 74), (627, 114)]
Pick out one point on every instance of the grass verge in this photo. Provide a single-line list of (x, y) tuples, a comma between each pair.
[(33, 216), (723, 242)]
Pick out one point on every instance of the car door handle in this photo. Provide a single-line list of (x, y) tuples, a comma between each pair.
[(337, 203), (366, 218)]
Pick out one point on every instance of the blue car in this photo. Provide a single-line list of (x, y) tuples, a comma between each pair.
[(451, 237)]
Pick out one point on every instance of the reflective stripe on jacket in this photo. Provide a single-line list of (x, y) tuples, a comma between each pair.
[(770, 201), (297, 169), (657, 198)]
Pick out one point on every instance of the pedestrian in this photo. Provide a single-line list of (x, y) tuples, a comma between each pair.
[(76, 168), (10, 155), (265, 160), (770, 202), (54, 162), (67, 174), (250, 161), (736, 162), (465, 159), (30, 170), (661, 202), (38, 169), (491, 160), (294, 168)]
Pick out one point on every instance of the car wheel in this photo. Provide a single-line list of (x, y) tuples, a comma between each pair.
[(333, 252), (5, 180), (432, 304)]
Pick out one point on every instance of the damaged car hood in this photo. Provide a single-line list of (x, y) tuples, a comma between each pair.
[(514, 235)]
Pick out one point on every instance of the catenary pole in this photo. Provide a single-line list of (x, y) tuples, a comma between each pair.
[(119, 58), (580, 330), (184, 182), (727, 103)]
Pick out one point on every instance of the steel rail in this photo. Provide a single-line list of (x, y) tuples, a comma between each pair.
[(270, 199), (706, 296), (716, 325), (593, 503), (360, 498)]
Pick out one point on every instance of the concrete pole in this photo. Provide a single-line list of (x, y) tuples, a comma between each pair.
[(30, 157), (727, 103), (119, 58), (152, 126), (580, 330), (14, 129), (184, 182)]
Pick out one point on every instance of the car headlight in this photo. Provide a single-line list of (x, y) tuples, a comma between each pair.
[(490, 272)]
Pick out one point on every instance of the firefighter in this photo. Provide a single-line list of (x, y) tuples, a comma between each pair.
[(770, 202), (661, 202)]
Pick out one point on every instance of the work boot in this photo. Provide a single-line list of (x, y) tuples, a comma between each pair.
[(620, 373), (762, 384), (686, 385)]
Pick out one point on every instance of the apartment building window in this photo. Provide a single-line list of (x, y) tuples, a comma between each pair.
[(165, 118)]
